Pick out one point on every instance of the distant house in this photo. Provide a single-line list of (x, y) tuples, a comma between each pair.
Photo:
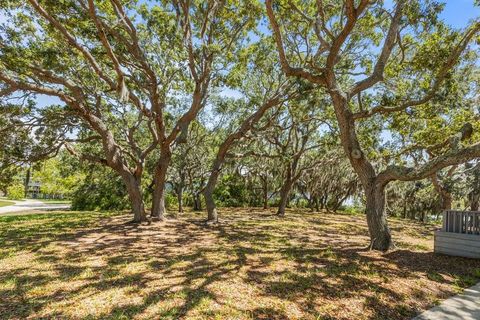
[(33, 190)]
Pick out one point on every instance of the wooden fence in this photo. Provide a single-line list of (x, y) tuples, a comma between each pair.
[(467, 222)]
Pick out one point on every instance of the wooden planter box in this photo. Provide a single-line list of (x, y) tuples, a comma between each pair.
[(460, 234)]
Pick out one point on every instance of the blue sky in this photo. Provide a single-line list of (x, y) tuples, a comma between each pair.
[(458, 12)]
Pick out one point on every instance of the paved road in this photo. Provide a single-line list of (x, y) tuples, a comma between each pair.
[(31, 205), (464, 306)]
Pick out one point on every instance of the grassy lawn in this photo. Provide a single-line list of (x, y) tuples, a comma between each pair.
[(4, 203), (252, 266)]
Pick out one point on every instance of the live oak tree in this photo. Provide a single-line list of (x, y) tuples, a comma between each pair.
[(62, 50), (213, 33), (443, 187), (329, 183), (189, 169), (422, 199), (374, 61), (265, 176), (263, 89), (146, 70), (415, 200), (295, 139)]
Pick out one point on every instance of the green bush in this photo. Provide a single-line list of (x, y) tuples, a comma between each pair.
[(231, 192), (170, 200), (101, 190), (16, 191), (350, 209)]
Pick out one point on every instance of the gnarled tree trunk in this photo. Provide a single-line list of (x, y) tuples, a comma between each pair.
[(179, 191), (311, 203), (158, 199), (380, 235), (131, 178), (373, 183), (135, 193), (180, 199), (265, 192), (210, 203), (212, 214), (27, 182), (443, 191), (447, 201), (475, 193), (245, 127), (285, 194), (197, 202), (475, 201)]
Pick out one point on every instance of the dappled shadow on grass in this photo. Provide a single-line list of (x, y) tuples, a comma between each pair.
[(35, 231), (253, 265)]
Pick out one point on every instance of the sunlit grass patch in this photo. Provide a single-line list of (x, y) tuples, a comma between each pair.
[(4, 203)]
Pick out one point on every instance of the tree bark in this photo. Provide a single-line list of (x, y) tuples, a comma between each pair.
[(284, 197), (323, 202), (447, 201), (135, 193), (475, 201), (445, 195), (380, 236), (27, 182), (180, 198), (179, 191), (212, 214), (265, 193), (317, 204), (158, 199), (424, 216), (210, 203), (197, 202), (311, 203), (475, 193)]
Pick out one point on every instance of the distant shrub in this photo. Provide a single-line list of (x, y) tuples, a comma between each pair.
[(101, 190), (476, 273), (16, 191), (170, 200), (231, 192), (353, 210), (300, 203)]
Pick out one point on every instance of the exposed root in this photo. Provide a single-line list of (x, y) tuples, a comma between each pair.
[(212, 222), (136, 222), (157, 219), (372, 243)]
